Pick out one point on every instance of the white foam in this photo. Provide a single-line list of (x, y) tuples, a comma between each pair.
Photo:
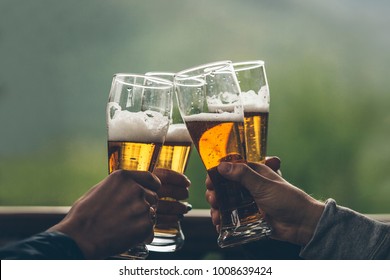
[(224, 102), (222, 117), (256, 102), (223, 98), (178, 133), (148, 126), (220, 108)]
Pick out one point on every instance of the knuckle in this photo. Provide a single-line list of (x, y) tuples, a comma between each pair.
[(121, 176)]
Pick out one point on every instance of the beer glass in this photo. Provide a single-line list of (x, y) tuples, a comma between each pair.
[(138, 115), (255, 96), (256, 100), (210, 104), (174, 155)]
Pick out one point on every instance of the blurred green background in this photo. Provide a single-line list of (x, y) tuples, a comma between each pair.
[(327, 64)]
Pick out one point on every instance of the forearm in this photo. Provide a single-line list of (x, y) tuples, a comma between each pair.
[(345, 234)]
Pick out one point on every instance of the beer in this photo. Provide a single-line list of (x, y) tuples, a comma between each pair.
[(210, 104), (218, 138), (132, 156), (176, 150), (255, 96), (256, 124), (174, 155), (134, 139), (217, 141), (138, 114)]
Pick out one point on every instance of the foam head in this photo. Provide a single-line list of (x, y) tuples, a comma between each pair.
[(178, 133), (212, 117), (256, 102), (143, 127)]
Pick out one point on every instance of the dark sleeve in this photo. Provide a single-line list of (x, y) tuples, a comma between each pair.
[(342, 233), (43, 246)]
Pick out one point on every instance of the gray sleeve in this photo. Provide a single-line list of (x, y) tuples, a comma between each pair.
[(345, 234)]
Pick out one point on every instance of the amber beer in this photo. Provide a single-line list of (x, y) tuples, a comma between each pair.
[(256, 127), (132, 156), (134, 144), (174, 155), (176, 150), (138, 113), (256, 99), (220, 140)]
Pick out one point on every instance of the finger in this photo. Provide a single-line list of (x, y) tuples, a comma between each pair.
[(164, 220), (170, 177), (150, 238), (146, 179), (151, 220), (264, 170), (211, 199), (273, 163), (172, 207), (215, 216), (209, 184), (151, 197), (140, 223), (242, 173), (174, 191)]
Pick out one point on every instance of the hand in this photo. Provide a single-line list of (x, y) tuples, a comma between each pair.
[(272, 162), (292, 214), (114, 215), (174, 187)]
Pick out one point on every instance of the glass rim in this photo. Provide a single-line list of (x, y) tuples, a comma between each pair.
[(162, 75), (152, 73), (185, 72), (163, 83), (197, 82), (247, 65)]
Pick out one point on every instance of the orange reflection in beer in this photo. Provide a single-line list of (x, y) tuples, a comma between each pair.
[(218, 142)]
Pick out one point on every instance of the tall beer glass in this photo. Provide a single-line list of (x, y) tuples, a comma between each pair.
[(210, 104), (138, 114), (256, 100), (174, 155)]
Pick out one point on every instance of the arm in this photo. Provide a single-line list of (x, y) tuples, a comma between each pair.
[(111, 217), (324, 231), (43, 246), (345, 234)]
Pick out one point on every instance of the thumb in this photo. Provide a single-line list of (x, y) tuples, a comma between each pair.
[(242, 173)]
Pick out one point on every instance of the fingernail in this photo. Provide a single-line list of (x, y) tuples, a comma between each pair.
[(225, 167)]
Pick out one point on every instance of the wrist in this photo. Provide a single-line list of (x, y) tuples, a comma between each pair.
[(86, 248), (310, 221)]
